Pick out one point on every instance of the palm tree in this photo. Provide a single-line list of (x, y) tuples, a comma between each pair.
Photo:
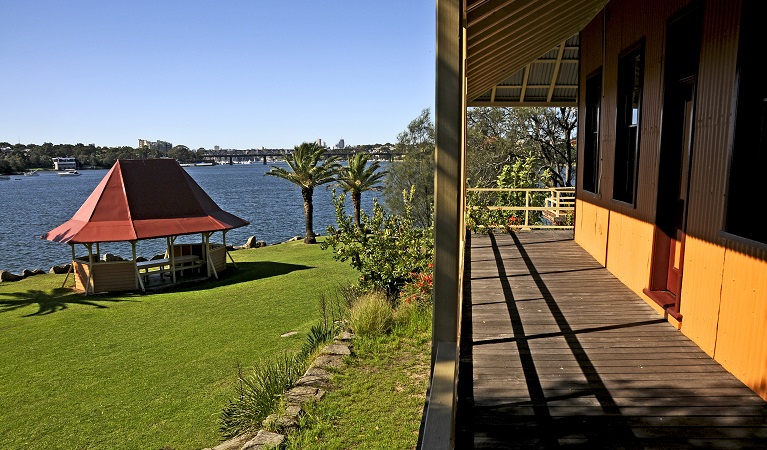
[(307, 172), (358, 177)]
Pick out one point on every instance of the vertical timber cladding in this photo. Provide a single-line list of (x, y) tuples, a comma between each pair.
[(704, 262), (741, 301), (724, 290), (590, 216)]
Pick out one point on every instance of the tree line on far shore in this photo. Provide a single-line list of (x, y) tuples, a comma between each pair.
[(16, 158)]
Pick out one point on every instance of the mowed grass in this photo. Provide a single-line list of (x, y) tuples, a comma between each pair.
[(149, 371), (375, 402)]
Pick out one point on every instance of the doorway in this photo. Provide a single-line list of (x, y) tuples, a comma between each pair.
[(677, 134)]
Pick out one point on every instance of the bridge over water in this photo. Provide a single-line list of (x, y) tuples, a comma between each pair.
[(264, 155)]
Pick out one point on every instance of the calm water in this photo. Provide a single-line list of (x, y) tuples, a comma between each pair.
[(32, 206)]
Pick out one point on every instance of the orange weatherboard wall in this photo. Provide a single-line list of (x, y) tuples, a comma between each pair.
[(723, 293)]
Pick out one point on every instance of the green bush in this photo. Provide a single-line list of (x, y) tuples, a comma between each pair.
[(371, 315), (260, 392), (388, 249), (523, 173)]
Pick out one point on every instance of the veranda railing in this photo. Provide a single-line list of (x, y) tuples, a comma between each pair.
[(535, 207)]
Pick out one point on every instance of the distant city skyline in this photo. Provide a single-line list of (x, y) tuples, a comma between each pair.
[(239, 75)]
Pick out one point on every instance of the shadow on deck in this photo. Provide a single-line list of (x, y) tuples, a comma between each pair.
[(557, 353)]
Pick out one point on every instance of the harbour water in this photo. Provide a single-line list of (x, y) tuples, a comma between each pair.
[(33, 205)]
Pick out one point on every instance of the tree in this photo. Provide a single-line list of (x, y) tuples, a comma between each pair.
[(359, 177), (495, 137), (553, 131), (498, 137), (416, 144), (307, 173)]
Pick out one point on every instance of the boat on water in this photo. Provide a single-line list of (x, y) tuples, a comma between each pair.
[(203, 164), (69, 173), (31, 173), (5, 177)]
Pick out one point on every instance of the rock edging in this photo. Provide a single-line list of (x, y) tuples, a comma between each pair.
[(309, 388)]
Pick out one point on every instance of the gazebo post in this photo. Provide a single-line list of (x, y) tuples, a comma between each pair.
[(138, 274), (206, 237), (204, 250), (226, 250), (71, 266), (169, 240), (89, 246)]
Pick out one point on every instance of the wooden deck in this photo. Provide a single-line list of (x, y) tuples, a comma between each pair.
[(557, 353)]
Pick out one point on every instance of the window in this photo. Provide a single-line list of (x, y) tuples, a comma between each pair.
[(591, 155), (630, 75), (749, 151)]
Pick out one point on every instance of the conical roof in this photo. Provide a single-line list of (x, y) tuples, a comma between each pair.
[(144, 199)]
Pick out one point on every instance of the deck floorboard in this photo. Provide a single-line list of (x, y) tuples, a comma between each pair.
[(557, 353)]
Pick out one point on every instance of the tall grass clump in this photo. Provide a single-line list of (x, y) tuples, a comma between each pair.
[(260, 391), (371, 315)]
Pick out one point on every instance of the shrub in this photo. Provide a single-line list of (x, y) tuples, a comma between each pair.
[(525, 172), (371, 315), (418, 290), (260, 392), (387, 249), (319, 334)]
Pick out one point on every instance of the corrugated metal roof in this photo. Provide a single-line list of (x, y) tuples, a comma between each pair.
[(525, 52), (144, 199)]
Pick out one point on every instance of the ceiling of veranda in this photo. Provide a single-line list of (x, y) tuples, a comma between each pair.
[(524, 52)]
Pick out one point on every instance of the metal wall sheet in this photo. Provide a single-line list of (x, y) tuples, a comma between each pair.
[(724, 289), (742, 330)]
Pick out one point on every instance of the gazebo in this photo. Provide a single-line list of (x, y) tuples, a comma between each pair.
[(145, 199)]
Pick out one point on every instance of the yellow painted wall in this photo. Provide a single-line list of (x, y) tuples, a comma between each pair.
[(591, 229), (629, 250), (724, 291), (701, 286), (742, 331)]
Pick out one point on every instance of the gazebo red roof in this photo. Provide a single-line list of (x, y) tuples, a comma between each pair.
[(144, 199)]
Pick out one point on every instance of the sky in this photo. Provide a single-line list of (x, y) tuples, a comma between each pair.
[(237, 74)]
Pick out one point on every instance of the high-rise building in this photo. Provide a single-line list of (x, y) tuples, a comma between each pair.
[(155, 145)]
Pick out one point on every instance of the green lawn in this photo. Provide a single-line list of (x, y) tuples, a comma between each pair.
[(149, 371)]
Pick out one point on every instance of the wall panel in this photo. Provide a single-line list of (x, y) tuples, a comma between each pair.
[(742, 331)]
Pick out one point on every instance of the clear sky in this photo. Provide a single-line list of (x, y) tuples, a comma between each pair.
[(238, 74)]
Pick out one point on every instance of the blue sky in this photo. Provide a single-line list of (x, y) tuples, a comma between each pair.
[(238, 74)]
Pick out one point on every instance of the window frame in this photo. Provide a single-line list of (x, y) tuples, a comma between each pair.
[(749, 139), (592, 145), (628, 123)]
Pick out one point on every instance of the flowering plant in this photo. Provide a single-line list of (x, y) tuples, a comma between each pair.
[(419, 288)]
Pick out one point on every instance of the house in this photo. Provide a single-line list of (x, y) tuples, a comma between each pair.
[(672, 118), (64, 163)]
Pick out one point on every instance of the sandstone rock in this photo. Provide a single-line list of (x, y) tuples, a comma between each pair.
[(316, 372), (263, 439), (60, 269), (302, 394), (31, 273), (250, 243), (8, 276), (261, 244), (314, 381), (345, 336), (112, 257), (234, 443), (329, 361), (336, 349), (280, 422)]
